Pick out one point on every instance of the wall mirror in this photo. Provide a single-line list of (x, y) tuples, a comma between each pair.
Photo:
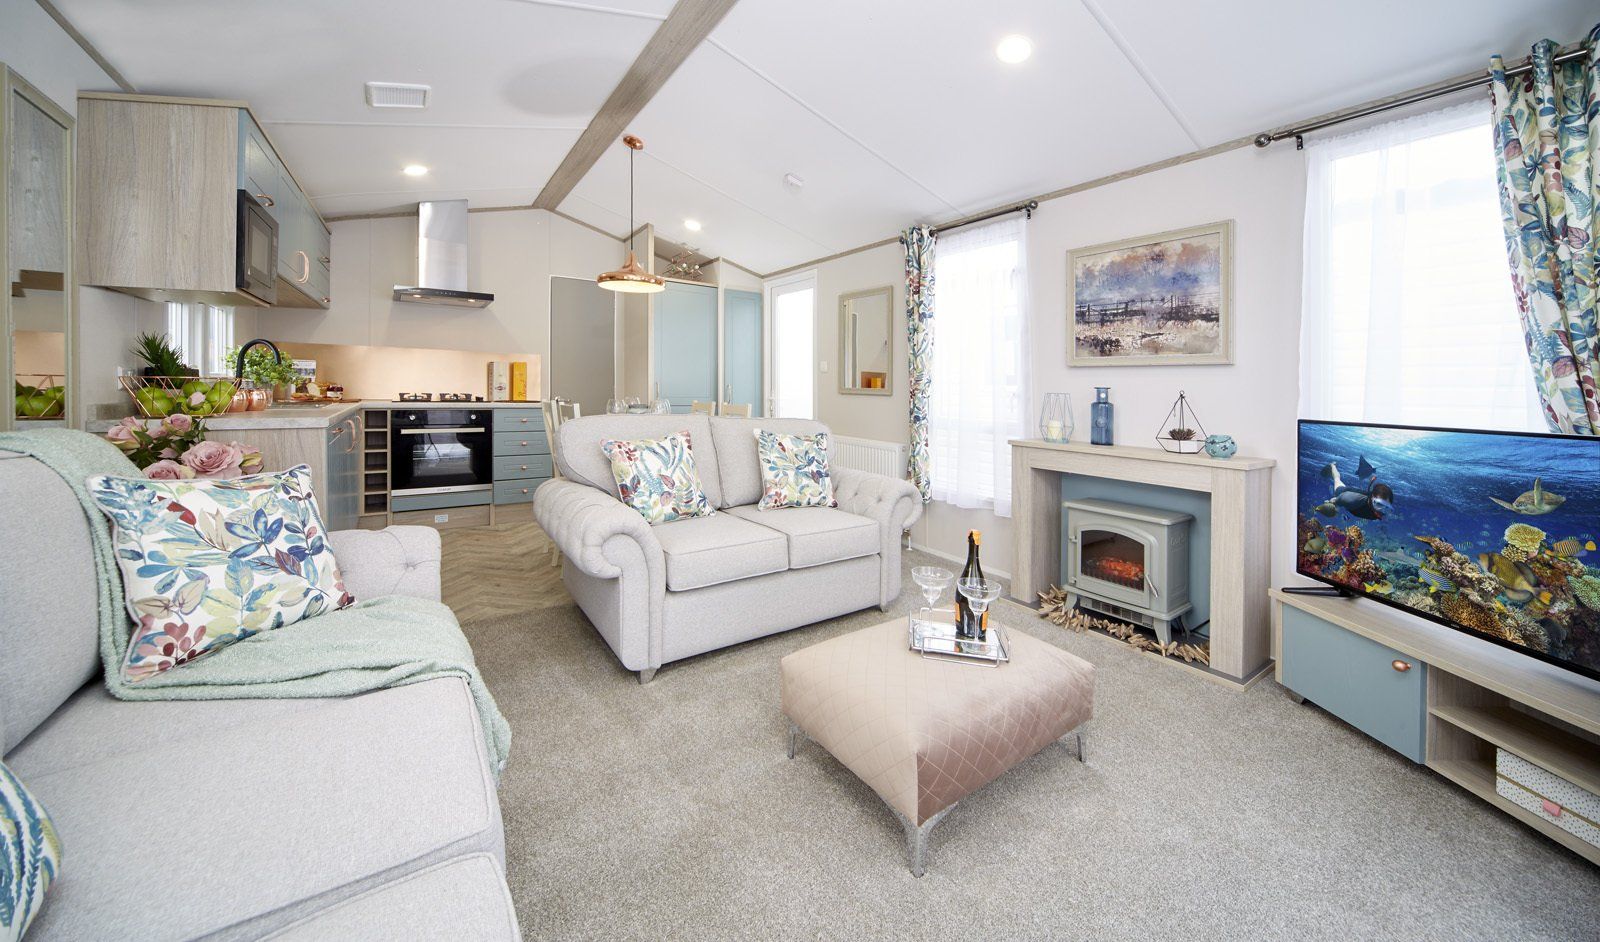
[(36, 254), (866, 342)]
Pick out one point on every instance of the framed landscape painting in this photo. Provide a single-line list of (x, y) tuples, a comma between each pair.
[(1165, 299)]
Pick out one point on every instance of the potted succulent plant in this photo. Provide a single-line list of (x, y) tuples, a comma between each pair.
[(162, 357)]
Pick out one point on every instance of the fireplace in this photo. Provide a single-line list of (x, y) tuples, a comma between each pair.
[(1128, 562)]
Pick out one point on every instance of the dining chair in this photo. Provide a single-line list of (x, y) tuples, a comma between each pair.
[(556, 411), (737, 409), (702, 408)]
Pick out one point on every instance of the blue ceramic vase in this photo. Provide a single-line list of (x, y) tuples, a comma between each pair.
[(1221, 446)]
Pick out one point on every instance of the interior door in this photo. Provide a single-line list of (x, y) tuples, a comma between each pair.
[(741, 349), (583, 341), (685, 333)]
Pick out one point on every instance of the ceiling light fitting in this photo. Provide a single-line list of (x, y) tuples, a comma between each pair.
[(631, 278), (693, 225), (415, 170), (1014, 49)]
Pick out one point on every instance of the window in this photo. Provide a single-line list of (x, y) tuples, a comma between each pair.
[(203, 334), (793, 303), (979, 377), (1408, 315)]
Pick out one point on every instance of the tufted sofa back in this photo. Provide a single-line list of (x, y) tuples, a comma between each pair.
[(737, 458)]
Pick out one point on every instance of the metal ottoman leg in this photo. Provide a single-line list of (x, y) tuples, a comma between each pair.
[(917, 839), (795, 737)]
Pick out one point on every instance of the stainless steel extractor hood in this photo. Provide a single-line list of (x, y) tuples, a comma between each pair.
[(442, 258)]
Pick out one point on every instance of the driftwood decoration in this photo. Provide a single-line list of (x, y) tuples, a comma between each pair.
[(1053, 608)]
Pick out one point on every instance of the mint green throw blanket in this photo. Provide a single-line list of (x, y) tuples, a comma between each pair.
[(385, 642)]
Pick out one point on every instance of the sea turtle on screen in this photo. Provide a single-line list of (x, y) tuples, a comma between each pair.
[(1534, 502)]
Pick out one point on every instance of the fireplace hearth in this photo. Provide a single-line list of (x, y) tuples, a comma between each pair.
[(1128, 562)]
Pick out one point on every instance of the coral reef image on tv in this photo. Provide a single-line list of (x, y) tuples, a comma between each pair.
[(1487, 532)]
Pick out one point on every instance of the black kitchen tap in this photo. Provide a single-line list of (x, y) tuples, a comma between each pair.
[(238, 367)]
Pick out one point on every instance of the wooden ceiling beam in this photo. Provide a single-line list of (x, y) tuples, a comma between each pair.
[(684, 29)]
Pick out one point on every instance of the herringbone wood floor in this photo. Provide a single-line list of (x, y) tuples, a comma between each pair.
[(500, 570)]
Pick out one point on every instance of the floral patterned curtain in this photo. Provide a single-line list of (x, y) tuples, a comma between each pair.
[(1547, 126), (918, 242)]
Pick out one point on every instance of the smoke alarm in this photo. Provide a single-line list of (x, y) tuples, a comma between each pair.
[(792, 182), (397, 95)]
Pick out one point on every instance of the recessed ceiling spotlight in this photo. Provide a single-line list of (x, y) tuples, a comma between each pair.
[(415, 170), (693, 225), (1014, 48)]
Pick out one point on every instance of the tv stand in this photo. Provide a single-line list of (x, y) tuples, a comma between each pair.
[(1324, 591), (1440, 696)]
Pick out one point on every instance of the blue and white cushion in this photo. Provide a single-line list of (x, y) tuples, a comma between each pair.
[(206, 563), (657, 477), (30, 856), (794, 470)]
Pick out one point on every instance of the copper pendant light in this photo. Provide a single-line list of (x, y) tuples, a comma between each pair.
[(631, 278)]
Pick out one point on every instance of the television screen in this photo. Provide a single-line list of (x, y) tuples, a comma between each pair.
[(1491, 533)]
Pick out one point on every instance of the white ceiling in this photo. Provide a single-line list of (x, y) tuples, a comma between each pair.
[(892, 111)]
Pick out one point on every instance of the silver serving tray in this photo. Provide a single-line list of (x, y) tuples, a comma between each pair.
[(933, 635)]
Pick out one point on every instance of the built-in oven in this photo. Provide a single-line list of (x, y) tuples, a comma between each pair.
[(442, 454), (256, 264)]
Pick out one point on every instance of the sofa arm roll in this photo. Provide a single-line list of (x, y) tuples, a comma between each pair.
[(890, 501), (580, 520), (392, 561)]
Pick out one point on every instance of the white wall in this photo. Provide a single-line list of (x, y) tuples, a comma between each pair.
[(513, 256), (1254, 399)]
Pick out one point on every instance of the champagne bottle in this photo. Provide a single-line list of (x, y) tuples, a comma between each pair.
[(968, 623)]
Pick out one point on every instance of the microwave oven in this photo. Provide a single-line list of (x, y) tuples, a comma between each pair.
[(257, 261)]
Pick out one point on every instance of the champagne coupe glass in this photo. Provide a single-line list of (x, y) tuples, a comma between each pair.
[(661, 407), (932, 579), (979, 593)]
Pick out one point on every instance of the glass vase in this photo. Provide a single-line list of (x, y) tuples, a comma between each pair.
[(1055, 418)]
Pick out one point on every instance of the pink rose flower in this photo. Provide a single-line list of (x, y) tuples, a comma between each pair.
[(166, 470), (123, 435), (250, 461), (132, 421), (179, 422), (213, 459), (169, 453)]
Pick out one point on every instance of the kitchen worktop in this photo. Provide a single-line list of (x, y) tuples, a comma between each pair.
[(276, 417)]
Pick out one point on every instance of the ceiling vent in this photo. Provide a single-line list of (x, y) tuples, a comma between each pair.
[(397, 95)]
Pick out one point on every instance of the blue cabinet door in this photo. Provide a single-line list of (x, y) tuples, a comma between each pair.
[(1372, 687), (741, 349), (686, 345)]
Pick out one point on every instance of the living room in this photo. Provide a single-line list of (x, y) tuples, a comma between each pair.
[(712, 469)]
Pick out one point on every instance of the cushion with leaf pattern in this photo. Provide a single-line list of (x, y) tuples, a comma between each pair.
[(657, 477), (30, 856), (794, 470), (206, 563)]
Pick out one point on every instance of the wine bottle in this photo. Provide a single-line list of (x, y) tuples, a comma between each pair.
[(968, 623)]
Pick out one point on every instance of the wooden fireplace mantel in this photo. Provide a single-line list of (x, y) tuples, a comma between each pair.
[(1241, 531)]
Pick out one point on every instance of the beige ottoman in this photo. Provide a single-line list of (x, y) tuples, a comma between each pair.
[(926, 733)]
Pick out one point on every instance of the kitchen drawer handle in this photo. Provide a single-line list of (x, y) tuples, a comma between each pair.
[(524, 490), (1400, 666), (523, 442), (266, 200), (523, 421), (522, 467), (443, 431), (305, 267)]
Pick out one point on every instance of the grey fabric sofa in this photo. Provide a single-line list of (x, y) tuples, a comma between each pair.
[(658, 594), (369, 817)]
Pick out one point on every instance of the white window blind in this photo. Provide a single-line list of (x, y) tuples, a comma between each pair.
[(1407, 313), (202, 333), (980, 374)]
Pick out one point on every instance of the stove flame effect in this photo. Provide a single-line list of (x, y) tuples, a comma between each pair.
[(1126, 572)]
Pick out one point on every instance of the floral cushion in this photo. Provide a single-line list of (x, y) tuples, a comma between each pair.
[(30, 856), (794, 470), (206, 563), (656, 476)]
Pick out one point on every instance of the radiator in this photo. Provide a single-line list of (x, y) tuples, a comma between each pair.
[(864, 454)]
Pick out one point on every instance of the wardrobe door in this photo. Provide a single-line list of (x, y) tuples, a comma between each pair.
[(686, 345), (741, 349)]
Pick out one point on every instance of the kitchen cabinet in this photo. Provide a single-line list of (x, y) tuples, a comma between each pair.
[(521, 455), (686, 345), (342, 459), (742, 354), (332, 452), (158, 206), (37, 320)]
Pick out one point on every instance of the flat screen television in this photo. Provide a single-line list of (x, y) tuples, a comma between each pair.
[(1490, 533)]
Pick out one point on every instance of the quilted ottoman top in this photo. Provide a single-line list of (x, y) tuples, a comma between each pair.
[(926, 733)]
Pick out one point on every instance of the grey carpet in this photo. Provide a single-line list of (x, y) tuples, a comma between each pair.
[(670, 811)]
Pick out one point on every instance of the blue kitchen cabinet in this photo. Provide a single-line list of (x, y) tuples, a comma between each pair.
[(521, 455), (686, 345), (1372, 687), (742, 349)]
